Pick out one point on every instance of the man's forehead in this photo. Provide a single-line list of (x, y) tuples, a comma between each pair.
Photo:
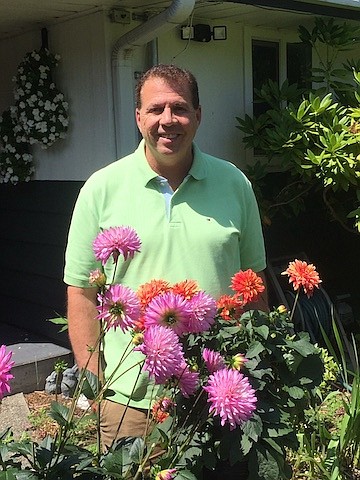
[(164, 85)]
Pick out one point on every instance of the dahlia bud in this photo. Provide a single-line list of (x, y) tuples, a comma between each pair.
[(97, 278)]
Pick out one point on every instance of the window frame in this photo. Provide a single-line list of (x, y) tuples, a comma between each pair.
[(282, 37)]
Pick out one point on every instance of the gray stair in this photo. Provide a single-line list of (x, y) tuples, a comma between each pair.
[(34, 358)]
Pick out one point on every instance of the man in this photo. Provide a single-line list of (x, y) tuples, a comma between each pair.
[(196, 216)]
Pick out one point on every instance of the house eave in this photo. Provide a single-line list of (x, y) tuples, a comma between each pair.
[(347, 9)]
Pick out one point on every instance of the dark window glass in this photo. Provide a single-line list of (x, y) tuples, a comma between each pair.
[(265, 65), (299, 60)]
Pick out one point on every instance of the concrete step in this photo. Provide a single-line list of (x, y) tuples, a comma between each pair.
[(33, 364), (34, 358)]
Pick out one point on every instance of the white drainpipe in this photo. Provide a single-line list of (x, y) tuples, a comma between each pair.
[(126, 136)]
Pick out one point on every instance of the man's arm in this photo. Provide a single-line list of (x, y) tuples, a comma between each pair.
[(84, 329)]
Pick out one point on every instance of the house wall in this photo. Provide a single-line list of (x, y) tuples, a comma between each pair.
[(84, 76), (219, 69)]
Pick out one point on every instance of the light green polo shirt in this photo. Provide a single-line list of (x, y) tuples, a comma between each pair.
[(212, 230)]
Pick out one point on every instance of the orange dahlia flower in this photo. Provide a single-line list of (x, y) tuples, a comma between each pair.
[(150, 290), (186, 288), (229, 307), (248, 284), (303, 274)]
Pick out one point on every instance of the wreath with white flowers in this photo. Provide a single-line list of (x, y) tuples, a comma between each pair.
[(40, 116), (16, 161)]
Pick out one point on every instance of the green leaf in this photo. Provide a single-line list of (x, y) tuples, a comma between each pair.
[(263, 465), (274, 445), (8, 475), (278, 432), (246, 444), (24, 448), (185, 475), (60, 413), (295, 392), (255, 349), (263, 331), (302, 345), (45, 451), (60, 321), (115, 462), (14, 474), (137, 450), (91, 385), (253, 427)]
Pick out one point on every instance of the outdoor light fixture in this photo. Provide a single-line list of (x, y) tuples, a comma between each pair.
[(219, 33), (202, 33)]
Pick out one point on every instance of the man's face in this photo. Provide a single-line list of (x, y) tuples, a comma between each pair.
[(168, 122)]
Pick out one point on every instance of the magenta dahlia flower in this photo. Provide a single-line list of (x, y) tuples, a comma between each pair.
[(188, 381), (213, 360), (231, 397), (116, 241), (203, 310), (5, 367), (164, 354), (169, 310), (119, 306)]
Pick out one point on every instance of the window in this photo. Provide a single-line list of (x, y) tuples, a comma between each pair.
[(276, 55), (298, 64), (265, 66)]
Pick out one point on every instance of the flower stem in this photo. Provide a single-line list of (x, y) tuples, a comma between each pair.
[(294, 305)]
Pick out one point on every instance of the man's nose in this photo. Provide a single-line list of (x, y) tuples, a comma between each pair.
[(167, 116)]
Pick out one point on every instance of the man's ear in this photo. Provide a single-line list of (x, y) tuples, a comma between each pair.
[(137, 118), (198, 114)]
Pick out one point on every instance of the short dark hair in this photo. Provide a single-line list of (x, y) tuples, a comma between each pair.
[(174, 76)]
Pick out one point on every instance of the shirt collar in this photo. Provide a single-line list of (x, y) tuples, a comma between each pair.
[(197, 170)]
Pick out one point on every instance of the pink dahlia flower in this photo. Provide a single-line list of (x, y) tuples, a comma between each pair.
[(213, 360), (188, 381), (169, 310), (203, 309), (5, 375), (116, 241), (231, 397), (119, 307), (168, 474), (164, 354)]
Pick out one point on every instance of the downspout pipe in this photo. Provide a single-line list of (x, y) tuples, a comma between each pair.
[(126, 137)]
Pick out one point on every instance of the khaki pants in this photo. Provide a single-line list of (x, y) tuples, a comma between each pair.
[(133, 422)]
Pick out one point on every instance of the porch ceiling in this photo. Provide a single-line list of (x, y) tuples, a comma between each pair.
[(19, 16)]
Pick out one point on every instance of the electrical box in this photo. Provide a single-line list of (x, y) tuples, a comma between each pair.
[(118, 15)]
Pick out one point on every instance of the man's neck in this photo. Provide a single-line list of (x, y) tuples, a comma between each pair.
[(174, 175), (172, 169)]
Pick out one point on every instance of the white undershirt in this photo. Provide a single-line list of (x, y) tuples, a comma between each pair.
[(167, 191)]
